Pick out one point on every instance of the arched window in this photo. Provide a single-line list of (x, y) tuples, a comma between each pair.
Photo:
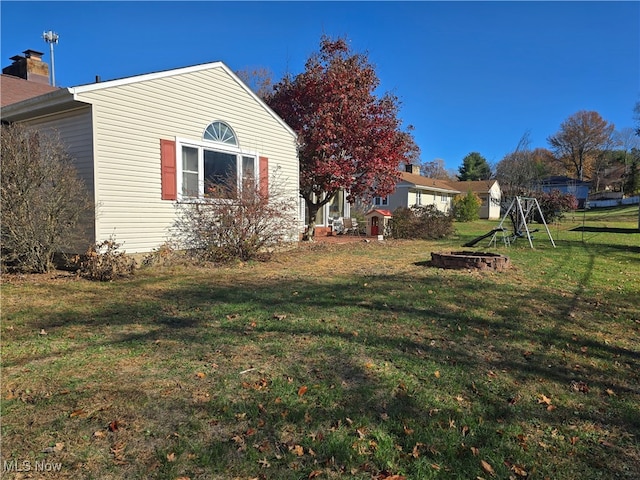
[(220, 132), (216, 166)]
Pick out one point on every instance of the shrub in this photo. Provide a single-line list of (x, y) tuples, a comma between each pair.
[(165, 255), (42, 198), (104, 262), (246, 226), (554, 205), (425, 222), (466, 207)]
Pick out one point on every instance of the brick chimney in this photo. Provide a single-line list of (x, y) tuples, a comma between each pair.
[(412, 168), (30, 67)]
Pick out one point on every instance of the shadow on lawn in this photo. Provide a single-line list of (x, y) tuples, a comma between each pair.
[(291, 308), (408, 321)]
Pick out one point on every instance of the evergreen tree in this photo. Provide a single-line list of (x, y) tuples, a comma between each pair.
[(474, 167)]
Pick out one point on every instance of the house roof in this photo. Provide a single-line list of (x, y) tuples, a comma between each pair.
[(23, 107), (477, 186), (16, 89), (384, 213), (427, 183), (562, 180)]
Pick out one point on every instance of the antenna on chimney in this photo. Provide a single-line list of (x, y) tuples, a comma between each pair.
[(51, 38)]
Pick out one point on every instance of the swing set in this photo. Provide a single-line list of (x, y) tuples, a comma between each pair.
[(519, 210)]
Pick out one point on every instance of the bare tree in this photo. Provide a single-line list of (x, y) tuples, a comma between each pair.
[(259, 79), (580, 137), (628, 141), (437, 169), (43, 199), (518, 171)]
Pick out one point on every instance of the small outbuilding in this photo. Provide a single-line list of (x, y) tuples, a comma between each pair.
[(377, 221)]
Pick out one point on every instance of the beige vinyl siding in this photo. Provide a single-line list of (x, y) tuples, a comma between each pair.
[(131, 119)]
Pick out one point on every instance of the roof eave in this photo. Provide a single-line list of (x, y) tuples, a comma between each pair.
[(405, 184), (45, 104)]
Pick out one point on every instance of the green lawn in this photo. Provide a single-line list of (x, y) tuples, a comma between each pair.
[(336, 361)]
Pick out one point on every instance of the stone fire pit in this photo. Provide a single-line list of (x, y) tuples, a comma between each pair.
[(470, 260)]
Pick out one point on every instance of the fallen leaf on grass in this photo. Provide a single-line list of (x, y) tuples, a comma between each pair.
[(475, 451), (580, 387), (518, 470), (314, 474), (58, 447), (99, 434), (77, 413), (201, 374), (302, 390), (118, 452), (610, 392), (264, 463), (279, 316), (171, 457), (544, 399), (416, 450), (437, 374), (298, 450), (114, 426), (487, 468), (43, 332)]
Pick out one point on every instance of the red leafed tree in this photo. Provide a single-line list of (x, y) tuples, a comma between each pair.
[(348, 138)]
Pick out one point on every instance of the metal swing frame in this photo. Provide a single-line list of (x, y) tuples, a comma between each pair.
[(523, 206)]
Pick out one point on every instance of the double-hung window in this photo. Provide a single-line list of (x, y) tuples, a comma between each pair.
[(381, 201), (215, 167)]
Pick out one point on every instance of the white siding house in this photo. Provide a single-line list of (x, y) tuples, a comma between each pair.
[(413, 190), (489, 192), (143, 143)]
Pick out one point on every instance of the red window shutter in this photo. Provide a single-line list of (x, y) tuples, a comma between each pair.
[(168, 173), (264, 176)]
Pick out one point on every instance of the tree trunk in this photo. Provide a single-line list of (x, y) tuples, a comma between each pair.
[(310, 232)]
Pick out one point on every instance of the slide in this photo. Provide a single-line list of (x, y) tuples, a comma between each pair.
[(471, 243)]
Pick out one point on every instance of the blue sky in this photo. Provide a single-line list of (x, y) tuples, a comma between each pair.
[(471, 76)]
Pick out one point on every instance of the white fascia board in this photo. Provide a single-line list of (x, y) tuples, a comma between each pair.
[(91, 87)]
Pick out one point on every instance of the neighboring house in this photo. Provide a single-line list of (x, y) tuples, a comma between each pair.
[(414, 190), (143, 143), (489, 193), (577, 188)]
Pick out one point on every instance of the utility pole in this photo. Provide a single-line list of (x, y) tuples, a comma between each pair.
[(51, 38)]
